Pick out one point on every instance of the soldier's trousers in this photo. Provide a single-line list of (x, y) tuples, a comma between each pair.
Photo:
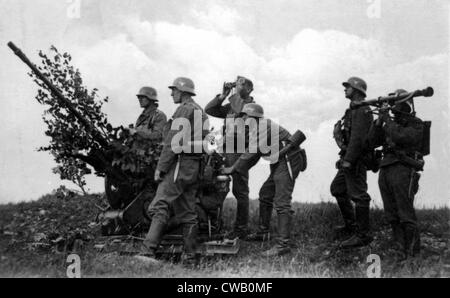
[(181, 195), (276, 192), (351, 185), (398, 186), (241, 193)]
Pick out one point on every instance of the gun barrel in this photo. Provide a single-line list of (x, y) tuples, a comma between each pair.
[(96, 134), (395, 98)]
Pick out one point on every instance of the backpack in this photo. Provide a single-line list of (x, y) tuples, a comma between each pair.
[(304, 160)]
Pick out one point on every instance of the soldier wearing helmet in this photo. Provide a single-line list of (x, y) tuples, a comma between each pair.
[(349, 187), (401, 137), (231, 111), (276, 193), (178, 175), (150, 124)]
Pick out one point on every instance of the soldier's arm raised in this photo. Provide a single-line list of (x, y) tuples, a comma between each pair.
[(215, 108)]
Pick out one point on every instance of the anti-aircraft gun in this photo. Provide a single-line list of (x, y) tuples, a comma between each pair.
[(129, 192)]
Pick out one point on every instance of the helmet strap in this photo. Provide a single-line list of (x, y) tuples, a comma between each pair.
[(413, 106)]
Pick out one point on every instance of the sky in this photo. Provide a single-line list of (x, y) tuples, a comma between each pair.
[(297, 53)]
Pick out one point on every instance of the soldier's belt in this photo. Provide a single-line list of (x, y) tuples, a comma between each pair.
[(191, 156), (416, 163)]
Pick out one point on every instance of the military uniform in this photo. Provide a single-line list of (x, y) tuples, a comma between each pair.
[(240, 187), (350, 185), (398, 179), (179, 187), (278, 188), (151, 124)]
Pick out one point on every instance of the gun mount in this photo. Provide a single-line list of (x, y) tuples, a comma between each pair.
[(130, 193)]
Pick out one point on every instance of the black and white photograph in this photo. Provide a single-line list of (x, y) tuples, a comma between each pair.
[(224, 141)]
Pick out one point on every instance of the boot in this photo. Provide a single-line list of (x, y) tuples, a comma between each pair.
[(348, 215), (263, 233), (412, 240), (284, 236), (151, 242), (362, 236), (398, 237), (190, 234)]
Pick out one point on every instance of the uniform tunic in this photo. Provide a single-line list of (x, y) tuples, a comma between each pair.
[(151, 124), (240, 187), (277, 191), (351, 184), (398, 181), (179, 192)]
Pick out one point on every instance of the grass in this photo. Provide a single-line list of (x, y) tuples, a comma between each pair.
[(27, 228)]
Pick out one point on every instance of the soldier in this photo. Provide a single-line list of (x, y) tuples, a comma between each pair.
[(149, 130), (178, 175), (277, 190), (350, 183), (150, 124), (401, 138), (231, 111)]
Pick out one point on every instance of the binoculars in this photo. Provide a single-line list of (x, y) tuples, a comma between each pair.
[(231, 85), (240, 80)]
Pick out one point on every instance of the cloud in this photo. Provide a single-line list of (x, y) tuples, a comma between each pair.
[(298, 83), (218, 18), (318, 57)]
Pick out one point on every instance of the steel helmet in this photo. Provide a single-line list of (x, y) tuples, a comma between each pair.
[(185, 85), (149, 92), (253, 110), (406, 106), (358, 84), (398, 91)]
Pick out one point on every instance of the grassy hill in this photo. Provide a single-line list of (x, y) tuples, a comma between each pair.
[(37, 237)]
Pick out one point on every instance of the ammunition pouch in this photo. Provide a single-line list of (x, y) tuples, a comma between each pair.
[(338, 135), (294, 153), (304, 160), (414, 184), (417, 163)]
